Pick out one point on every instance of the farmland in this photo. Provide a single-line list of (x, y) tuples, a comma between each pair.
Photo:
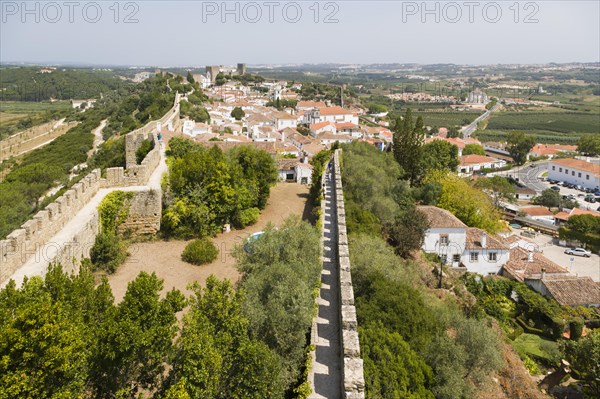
[(18, 115), (558, 127)]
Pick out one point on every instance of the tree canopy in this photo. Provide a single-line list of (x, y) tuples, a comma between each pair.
[(519, 145)]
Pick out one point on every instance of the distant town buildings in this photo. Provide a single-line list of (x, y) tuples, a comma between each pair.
[(477, 97)]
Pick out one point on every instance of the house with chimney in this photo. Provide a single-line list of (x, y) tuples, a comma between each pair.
[(458, 245)]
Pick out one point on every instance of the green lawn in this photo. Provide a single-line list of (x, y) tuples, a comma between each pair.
[(541, 136), (536, 347), (560, 122)]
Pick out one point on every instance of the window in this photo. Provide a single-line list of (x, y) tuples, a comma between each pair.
[(572, 173), (456, 258), (493, 256), (587, 177), (444, 239), (553, 167), (567, 171), (474, 256), (560, 170), (579, 174)]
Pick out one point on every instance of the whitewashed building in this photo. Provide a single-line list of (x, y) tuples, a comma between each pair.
[(575, 171)]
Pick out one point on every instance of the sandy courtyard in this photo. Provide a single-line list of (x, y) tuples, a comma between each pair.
[(164, 257)]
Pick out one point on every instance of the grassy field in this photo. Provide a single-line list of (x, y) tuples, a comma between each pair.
[(25, 107), (18, 115)]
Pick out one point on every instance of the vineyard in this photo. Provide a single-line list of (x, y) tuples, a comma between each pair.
[(540, 136), (562, 122)]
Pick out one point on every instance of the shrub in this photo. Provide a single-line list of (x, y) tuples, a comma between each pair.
[(108, 252), (200, 251), (246, 217), (576, 328)]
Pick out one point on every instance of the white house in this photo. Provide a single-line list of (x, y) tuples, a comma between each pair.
[(193, 129), (484, 253), (575, 171), (460, 246), (539, 213), (295, 170), (446, 235), (330, 114), (322, 127), (472, 163), (283, 120)]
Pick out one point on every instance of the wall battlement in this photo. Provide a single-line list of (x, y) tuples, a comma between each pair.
[(24, 243), (353, 380)]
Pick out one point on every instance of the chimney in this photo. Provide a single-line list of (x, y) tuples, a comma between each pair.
[(543, 273), (530, 257), (483, 240)]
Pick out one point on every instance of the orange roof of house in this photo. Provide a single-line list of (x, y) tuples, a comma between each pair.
[(346, 125), (320, 125), (575, 212), (578, 164), (474, 159), (551, 149), (334, 111), (311, 104), (537, 211)]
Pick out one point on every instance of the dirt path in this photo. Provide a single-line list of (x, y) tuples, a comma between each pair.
[(164, 257)]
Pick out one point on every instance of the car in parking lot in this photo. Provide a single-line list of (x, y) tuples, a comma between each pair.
[(555, 188), (578, 252), (590, 199)]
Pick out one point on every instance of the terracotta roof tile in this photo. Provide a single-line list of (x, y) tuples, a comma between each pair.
[(440, 218)]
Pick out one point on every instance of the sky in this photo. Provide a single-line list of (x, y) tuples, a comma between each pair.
[(197, 33)]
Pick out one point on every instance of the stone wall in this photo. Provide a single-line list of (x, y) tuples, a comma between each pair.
[(29, 240), (25, 241), (353, 377), (145, 211)]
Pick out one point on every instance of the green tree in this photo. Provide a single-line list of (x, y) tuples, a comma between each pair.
[(589, 145), (408, 142), (220, 79), (584, 356), (392, 368), (190, 77), (407, 233), (478, 211), (584, 224), (499, 187), (453, 132), (217, 357), (518, 146), (473, 149), (439, 155), (549, 198), (136, 341), (377, 108), (238, 113)]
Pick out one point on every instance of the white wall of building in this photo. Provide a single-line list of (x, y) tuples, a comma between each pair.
[(566, 174)]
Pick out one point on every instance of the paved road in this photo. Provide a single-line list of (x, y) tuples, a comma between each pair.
[(528, 175), (327, 366), (470, 129)]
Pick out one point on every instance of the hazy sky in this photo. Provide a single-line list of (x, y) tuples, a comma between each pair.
[(196, 33)]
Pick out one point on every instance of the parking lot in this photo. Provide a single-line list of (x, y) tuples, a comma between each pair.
[(577, 265), (579, 196)]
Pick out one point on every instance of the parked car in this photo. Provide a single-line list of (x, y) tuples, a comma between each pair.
[(578, 252), (590, 199), (597, 193), (580, 195), (555, 188), (529, 234)]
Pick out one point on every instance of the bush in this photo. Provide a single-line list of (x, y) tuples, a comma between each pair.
[(144, 149), (108, 252), (200, 251), (246, 217), (576, 328)]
